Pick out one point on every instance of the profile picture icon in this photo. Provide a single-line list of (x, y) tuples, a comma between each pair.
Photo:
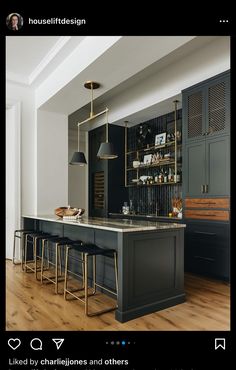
[(14, 21)]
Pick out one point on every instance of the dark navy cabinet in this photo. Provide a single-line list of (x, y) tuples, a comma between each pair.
[(207, 108), (206, 166), (206, 176), (206, 124), (207, 248)]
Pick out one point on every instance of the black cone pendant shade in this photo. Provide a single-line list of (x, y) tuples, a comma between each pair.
[(78, 158), (106, 151)]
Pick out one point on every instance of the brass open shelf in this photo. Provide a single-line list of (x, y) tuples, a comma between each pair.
[(153, 146), (159, 164), (155, 184)]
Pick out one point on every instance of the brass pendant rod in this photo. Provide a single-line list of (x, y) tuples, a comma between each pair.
[(91, 111), (107, 127), (126, 132), (95, 116), (175, 176)]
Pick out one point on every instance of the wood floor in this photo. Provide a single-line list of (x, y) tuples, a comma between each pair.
[(31, 306)]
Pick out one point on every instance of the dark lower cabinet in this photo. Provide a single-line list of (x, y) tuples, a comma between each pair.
[(207, 248)]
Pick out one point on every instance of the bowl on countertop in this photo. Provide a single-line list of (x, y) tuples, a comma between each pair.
[(69, 211)]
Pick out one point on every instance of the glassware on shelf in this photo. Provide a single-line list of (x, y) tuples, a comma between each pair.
[(125, 208)]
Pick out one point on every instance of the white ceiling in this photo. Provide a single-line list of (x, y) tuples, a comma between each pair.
[(30, 59)]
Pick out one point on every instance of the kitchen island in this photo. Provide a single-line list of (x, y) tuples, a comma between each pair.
[(150, 258)]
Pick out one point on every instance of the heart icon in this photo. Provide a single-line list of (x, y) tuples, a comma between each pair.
[(14, 343)]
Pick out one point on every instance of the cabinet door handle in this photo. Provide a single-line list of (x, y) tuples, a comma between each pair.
[(206, 188), (207, 204), (204, 233), (205, 258), (202, 189), (207, 214)]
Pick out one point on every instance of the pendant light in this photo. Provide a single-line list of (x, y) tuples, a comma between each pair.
[(78, 157), (106, 150)]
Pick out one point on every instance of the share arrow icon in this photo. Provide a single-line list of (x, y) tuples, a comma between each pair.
[(58, 342)]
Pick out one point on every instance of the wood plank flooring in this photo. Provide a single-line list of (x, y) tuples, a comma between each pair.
[(31, 306)]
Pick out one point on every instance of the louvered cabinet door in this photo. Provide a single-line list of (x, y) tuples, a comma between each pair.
[(195, 124), (218, 107)]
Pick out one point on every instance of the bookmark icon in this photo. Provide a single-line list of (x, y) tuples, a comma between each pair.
[(58, 342)]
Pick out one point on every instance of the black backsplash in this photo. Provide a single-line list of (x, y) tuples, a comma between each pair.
[(155, 200)]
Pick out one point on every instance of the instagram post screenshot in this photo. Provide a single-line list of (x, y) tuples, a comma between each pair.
[(118, 213)]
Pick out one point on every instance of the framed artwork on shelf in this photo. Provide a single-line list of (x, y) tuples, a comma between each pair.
[(160, 139), (147, 159)]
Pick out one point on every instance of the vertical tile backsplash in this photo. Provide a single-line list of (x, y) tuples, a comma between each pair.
[(154, 200)]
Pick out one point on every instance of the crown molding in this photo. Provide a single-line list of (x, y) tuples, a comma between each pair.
[(48, 57)]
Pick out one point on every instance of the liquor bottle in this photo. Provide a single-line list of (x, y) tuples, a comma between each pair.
[(156, 177), (165, 176), (170, 175), (161, 176), (178, 176)]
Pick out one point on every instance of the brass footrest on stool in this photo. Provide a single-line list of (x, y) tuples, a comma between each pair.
[(20, 234), (58, 242), (86, 251)]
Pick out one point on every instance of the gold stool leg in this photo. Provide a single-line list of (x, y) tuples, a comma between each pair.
[(82, 257), (56, 269), (22, 243), (60, 260), (42, 259), (26, 240), (94, 274), (66, 270), (35, 256), (86, 283), (14, 248)]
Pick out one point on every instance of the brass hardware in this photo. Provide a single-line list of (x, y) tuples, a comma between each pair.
[(86, 295), (52, 279), (91, 85), (207, 204), (126, 133), (175, 103)]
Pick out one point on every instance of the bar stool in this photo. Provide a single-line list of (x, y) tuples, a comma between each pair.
[(32, 239), (90, 250), (19, 234), (59, 242)]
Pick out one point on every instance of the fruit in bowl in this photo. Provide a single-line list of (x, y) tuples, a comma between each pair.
[(69, 211)]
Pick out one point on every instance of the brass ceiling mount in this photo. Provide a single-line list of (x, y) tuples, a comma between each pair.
[(91, 85)]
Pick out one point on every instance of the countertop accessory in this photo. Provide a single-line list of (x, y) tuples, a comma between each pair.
[(69, 211)]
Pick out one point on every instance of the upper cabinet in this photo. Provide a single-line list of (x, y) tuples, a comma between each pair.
[(206, 127), (206, 108)]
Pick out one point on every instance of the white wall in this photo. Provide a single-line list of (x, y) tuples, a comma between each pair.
[(11, 181), (52, 161), (77, 175), (25, 96)]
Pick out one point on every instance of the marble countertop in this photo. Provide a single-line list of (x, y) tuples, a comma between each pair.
[(119, 225)]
